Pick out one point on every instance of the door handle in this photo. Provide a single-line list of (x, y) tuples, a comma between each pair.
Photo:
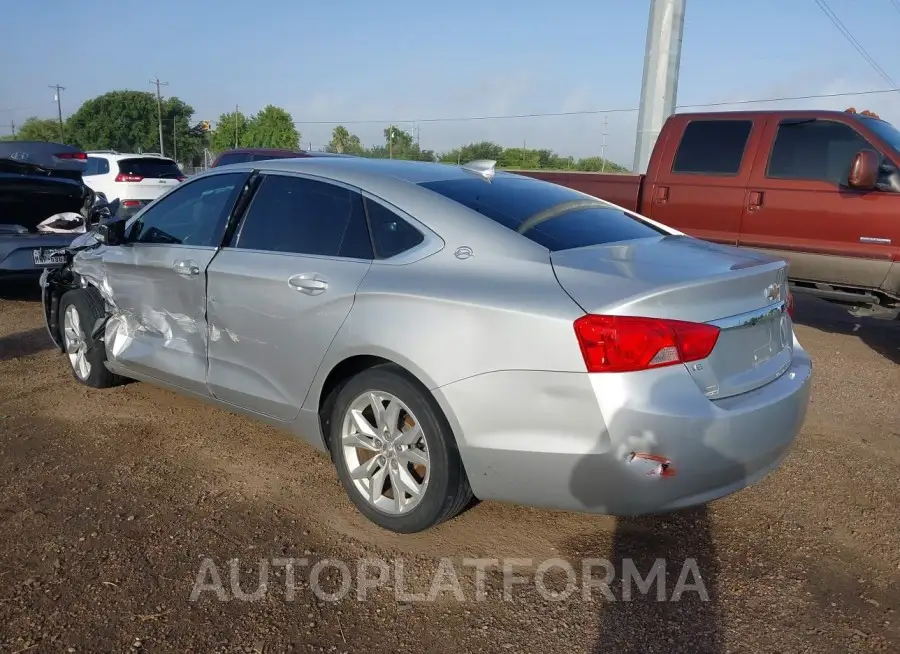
[(309, 283), (661, 194), (754, 202), (186, 268)]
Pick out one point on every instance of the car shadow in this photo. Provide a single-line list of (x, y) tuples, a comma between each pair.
[(19, 290), (882, 335), (23, 344), (681, 610)]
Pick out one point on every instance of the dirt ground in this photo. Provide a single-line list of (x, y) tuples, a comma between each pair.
[(112, 502)]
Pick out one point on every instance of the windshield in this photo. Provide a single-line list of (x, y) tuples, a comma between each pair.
[(887, 132)]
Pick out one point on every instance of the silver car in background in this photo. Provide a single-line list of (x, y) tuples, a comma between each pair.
[(448, 331)]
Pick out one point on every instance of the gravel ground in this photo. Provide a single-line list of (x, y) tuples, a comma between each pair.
[(113, 504)]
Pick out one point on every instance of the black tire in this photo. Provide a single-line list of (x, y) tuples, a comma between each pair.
[(447, 492), (89, 305)]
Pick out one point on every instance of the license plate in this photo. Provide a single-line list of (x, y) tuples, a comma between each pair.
[(49, 256)]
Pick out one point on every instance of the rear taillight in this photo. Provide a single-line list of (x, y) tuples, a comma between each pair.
[(626, 343), (131, 203), (181, 178), (789, 304), (124, 177), (81, 156)]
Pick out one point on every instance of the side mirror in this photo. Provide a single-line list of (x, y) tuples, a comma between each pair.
[(863, 171), (112, 232)]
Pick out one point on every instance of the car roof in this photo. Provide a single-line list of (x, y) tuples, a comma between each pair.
[(361, 171)]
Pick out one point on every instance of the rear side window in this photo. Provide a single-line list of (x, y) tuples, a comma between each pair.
[(545, 213), (391, 235), (814, 150), (712, 147), (150, 167), (302, 216), (96, 166), (233, 158)]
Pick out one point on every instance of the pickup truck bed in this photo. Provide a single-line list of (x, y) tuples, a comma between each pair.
[(820, 189)]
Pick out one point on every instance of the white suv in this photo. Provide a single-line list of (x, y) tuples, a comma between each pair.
[(135, 179)]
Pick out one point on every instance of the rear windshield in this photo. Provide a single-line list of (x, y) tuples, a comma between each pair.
[(511, 201), (150, 167)]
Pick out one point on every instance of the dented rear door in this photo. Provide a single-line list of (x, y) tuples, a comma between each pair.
[(157, 282)]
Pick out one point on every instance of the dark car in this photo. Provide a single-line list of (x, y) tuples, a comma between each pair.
[(244, 155), (37, 181), (55, 159)]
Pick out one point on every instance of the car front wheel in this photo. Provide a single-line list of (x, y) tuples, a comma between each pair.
[(394, 452), (79, 311)]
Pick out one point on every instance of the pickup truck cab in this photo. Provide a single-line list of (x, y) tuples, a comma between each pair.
[(820, 189)]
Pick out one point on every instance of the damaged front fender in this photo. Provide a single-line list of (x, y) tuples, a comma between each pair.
[(83, 268)]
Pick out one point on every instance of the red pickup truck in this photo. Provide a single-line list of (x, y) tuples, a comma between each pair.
[(820, 189)]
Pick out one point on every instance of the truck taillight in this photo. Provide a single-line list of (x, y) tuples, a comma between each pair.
[(81, 156), (124, 177), (628, 344)]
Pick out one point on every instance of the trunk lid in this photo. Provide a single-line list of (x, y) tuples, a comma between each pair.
[(682, 278)]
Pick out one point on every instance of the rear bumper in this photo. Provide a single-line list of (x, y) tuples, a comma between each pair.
[(16, 253), (564, 440)]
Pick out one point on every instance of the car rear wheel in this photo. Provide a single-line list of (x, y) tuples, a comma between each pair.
[(395, 454), (79, 311)]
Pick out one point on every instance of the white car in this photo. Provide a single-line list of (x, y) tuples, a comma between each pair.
[(135, 179)]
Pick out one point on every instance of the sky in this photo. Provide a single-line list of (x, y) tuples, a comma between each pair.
[(366, 64)]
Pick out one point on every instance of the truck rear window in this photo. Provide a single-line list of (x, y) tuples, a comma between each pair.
[(712, 147), (511, 201), (150, 167)]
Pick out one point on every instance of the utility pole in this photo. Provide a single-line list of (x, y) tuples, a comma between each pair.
[(236, 114), (662, 60), (159, 111), (12, 124), (603, 145), (62, 136), (174, 138), (391, 143)]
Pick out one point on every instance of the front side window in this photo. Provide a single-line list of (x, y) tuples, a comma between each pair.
[(712, 147), (193, 214), (814, 150), (556, 217), (303, 216)]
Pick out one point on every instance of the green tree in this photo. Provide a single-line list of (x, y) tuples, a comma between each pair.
[(343, 142), (599, 164), (472, 152), (128, 121), (273, 127), (230, 132), (37, 129)]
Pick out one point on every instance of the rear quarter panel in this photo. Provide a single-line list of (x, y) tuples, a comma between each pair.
[(446, 319)]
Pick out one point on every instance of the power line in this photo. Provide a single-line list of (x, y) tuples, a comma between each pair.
[(589, 112), (823, 5)]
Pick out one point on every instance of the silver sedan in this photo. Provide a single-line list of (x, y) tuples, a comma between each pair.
[(448, 332)]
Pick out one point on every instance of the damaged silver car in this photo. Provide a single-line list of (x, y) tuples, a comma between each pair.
[(447, 331)]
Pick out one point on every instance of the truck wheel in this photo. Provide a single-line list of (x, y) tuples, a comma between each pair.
[(79, 311), (394, 452)]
